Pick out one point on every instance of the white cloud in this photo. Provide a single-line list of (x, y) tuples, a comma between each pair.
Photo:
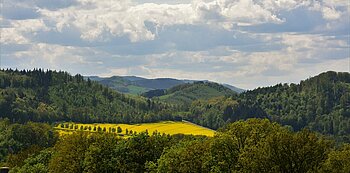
[(30, 25), (99, 20), (12, 36), (119, 71), (245, 12), (315, 47), (17, 30), (104, 19), (276, 5), (330, 9), (53, 57), (330, 13), (108, 19)]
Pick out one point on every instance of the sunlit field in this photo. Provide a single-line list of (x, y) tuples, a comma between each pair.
[(167, 127)]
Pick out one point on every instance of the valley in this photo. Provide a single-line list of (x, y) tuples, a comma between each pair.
[(52, 121)]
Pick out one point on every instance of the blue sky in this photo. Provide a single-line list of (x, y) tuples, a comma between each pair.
[(246, 43)]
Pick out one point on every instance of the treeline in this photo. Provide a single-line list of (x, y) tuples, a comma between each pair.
[(50, 96), (219, 111), (94, 128), (320, 103), (198, 84), (255, 145)]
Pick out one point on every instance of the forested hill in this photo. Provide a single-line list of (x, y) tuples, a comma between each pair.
[(321, 103), (185, 94), (49, 96)]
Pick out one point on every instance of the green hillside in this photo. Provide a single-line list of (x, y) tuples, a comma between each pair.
[(185, 94), (49, 96), (321, 103), (121, 84)]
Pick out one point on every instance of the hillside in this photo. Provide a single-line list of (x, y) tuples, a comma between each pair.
[(49, 96), (138, 85), (320, 103), (121, 84), (185, 94)]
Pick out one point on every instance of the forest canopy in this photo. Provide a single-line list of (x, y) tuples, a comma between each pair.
[(255, 145), (51, 96)]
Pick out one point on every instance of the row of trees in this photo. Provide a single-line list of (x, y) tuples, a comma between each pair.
[(96, 128), (255, 145)]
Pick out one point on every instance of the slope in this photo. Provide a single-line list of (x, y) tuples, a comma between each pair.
[(185, 94), (49, 96), (320, 103)]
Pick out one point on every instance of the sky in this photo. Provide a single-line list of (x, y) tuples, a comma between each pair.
[(246, 43)]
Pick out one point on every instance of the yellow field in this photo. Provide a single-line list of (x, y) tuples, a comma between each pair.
[(167, 127)]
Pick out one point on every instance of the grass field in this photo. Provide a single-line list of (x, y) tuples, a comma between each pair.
[(167, 127)]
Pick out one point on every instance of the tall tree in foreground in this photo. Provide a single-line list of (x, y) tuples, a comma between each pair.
[(251, 146), (338, 161), (70, 154)]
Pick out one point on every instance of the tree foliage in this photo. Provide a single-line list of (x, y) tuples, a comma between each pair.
[(320, 103), (18, 138), (254, 145)]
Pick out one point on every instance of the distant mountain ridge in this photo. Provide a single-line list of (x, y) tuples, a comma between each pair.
[(138, 85)]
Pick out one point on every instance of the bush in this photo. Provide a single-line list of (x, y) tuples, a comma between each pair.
[(119, 130)]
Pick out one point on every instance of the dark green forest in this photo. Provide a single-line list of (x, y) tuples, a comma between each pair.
[(320, 103), (51, 96), (255, 145), (219, 111)]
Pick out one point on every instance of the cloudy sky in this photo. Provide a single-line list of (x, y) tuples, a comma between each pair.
[(247, 43)]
